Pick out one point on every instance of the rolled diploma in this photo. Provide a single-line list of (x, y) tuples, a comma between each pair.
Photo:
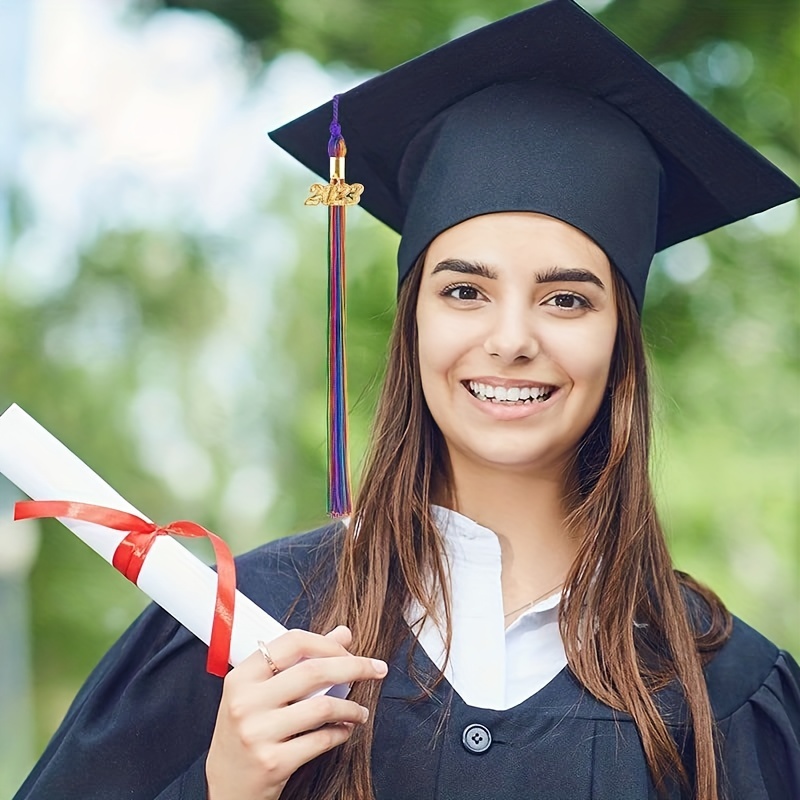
[(44, 469)]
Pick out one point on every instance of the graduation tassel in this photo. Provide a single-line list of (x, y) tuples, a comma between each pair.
[(337, 195)]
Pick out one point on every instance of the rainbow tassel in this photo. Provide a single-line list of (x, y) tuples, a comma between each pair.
[(337, 195)]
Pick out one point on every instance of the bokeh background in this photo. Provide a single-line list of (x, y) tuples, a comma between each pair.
[(162, 295)]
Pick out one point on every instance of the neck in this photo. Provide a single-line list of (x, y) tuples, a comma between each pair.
[(526, 512)]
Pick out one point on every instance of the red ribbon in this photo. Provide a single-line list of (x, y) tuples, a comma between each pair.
[(133, 549)]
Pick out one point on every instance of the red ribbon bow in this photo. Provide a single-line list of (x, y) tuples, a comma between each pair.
[(133, 549)]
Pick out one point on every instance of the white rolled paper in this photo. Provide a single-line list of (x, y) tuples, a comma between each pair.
[(45, 469)]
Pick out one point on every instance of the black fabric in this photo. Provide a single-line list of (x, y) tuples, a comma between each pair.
[(535, 147), (711, 177), (141, 726)]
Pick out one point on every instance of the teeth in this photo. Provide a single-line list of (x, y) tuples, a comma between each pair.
[(515, 394)]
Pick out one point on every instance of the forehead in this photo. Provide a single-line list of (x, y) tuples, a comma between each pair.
[(518, 239)]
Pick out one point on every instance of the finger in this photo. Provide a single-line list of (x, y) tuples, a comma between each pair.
[(296, 645), (285, 651), (277, 762), (313, 674), (342, 634), (302, 749), (310, 714)]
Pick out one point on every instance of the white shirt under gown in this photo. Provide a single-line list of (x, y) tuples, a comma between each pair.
[(490, 666)]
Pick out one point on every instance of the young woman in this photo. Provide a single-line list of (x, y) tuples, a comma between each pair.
[(514, 627)]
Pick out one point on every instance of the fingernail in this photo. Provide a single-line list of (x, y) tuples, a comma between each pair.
[(364, 714), (380, 666)]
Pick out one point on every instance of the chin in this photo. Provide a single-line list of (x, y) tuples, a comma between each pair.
[(513, 456)]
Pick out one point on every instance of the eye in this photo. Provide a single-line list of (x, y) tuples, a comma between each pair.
[(568, 301), (461, 291)]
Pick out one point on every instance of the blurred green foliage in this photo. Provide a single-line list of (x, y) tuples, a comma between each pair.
[(722, 320)]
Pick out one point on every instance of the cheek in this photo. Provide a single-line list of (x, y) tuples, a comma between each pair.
[(440, 344), (433, 370), (586, 357)]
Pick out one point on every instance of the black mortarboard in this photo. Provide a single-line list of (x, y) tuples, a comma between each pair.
[(543, 111)]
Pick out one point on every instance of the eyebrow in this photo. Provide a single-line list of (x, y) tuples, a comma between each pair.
[(552, 275), (465, 268), (560, 274)]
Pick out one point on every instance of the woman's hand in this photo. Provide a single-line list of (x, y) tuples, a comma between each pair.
[(265, 728)]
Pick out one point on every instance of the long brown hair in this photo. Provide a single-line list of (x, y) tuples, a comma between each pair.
[(622, 601)]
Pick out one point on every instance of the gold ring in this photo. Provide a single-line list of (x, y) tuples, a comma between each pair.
[(262, 646)]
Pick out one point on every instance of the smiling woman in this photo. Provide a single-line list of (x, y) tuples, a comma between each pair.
[(515, 627)]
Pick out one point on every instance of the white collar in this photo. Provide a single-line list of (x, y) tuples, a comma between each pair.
[(489, 666), (467, 541)]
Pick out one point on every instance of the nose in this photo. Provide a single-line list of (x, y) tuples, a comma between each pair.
[(512, 337)]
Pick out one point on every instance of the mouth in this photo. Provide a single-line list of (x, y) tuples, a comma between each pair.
[(509, 395)]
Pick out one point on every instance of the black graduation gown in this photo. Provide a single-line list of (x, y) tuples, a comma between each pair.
[(141, 725)]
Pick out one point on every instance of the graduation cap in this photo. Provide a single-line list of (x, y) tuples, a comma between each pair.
[(544, 111)]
